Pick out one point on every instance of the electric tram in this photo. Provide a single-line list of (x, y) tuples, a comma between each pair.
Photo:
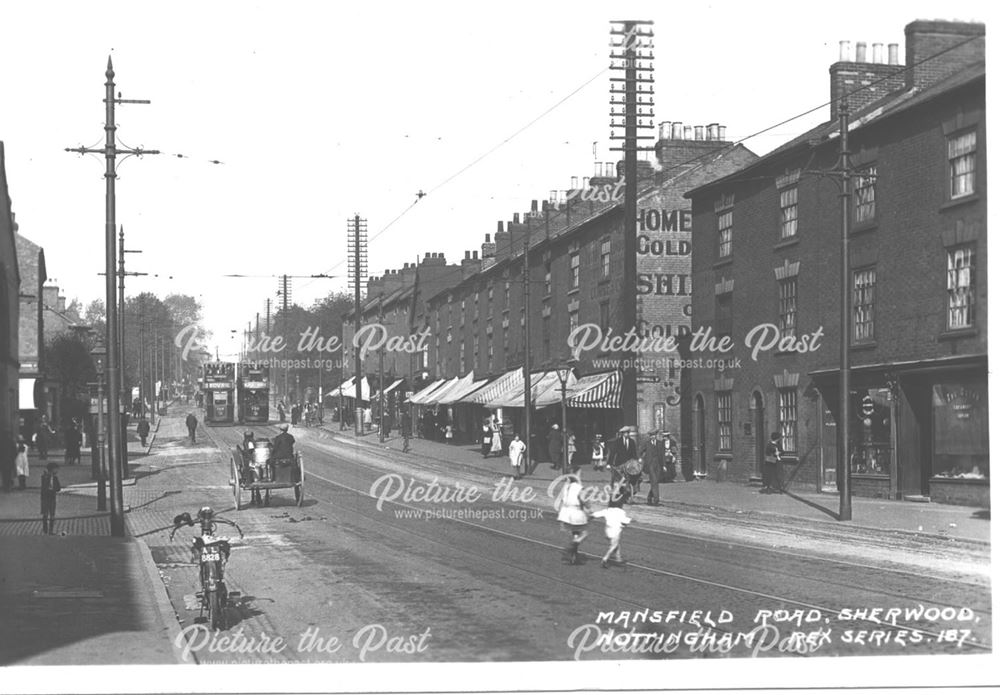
[(252, 390), (219, 385)]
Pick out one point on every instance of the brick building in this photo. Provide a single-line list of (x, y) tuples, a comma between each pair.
[(9, 311), (35, 398), (393, 300), (766, 245), (575, 278)]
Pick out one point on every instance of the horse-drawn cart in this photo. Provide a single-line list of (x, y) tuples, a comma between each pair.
[(258, 472)]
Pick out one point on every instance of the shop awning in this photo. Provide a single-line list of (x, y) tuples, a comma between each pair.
[(494, 388), (459, 394), (596, 391), (545, 390), (392, 387), (347, 390), (432, 398), (443, 394), (26, 394), (419, 396)]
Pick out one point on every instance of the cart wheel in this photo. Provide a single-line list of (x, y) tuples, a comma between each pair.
[(236, 484), (300, 488)]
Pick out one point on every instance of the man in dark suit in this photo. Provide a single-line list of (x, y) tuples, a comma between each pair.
[(654, 454), (620, 450)]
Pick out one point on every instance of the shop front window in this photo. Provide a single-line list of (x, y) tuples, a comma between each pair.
[(870, 433), (961, 431)]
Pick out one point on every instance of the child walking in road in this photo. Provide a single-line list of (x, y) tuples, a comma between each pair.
[(615, 521), (573, 515), (50, 487)]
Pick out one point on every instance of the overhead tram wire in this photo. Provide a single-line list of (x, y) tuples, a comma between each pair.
[(422, 194), (709, 156)]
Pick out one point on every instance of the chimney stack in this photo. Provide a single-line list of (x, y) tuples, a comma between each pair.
[(860, 81), (926, 38)]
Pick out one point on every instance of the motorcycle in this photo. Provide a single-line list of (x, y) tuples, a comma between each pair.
[(211, 552)]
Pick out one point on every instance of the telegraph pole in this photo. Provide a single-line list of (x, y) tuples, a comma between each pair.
[(845, 319), (357, 254), (628, 106), (381, 379), (111, 152), (526, 284), (125, 401), (284, 325)]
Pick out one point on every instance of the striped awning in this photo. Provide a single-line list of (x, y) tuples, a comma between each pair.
[(434, 397), (459, 394), (549, 390), (597, 391), (446, 394), (419, 396), (494, 388), (347, 389), (392, 387)]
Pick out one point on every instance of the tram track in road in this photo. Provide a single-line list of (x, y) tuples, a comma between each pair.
[(651, 568)]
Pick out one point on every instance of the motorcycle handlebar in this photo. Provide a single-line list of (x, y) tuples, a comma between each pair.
[(186, 520)]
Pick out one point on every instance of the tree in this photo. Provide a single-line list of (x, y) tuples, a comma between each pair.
[(68, 362), (95, 316)]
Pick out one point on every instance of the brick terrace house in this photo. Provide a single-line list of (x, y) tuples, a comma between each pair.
[(575, 277), (9, 311), (766, 249)]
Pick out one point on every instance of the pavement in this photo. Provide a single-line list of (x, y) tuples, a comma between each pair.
[(79, 596), (917, 518)]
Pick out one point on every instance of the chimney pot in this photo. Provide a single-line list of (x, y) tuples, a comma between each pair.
[(713, 131), (845, 51), (467, 255), (687, 132), (427, 254), (877, 53), (699, 132), (893, 54), (475, 255), (665, 130), (609, 169), (517, 218), (676, 130), (722, 132), (574, 183), (534, 206), (597, 170), (499, 225), (861, 50), (487, 238)]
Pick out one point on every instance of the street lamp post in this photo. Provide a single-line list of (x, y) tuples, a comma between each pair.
[(563, 374)]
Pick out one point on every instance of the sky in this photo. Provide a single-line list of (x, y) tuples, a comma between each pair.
[(318, 111)]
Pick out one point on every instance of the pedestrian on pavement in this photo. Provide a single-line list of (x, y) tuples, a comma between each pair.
[(615, 521), (50, 488), (516, 454), (281, 411), (366, 420), (487, 438), (496, 444), (597, 452), (406, 429), (192, 425), (669, 458), (8, 457), (43, 437), (555, 447), (620, 451), (772, 460), (573, 516), (653, 460), (21, 466), (142, 429), (571, 448), (73, 442)]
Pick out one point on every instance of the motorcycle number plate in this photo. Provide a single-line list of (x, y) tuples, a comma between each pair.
[(210, 556)]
